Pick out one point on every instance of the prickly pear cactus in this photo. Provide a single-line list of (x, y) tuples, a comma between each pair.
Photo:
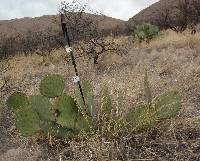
[(167, 105), (17, 101), (27, 121), (52, 86), (68, 111), (83, 123), (56, 130), (163, 107), (43, 107), (141, 117)]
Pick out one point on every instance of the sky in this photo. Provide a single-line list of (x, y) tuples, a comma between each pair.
[(121, 9)]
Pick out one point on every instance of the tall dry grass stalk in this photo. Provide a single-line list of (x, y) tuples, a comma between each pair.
[(178, 40)]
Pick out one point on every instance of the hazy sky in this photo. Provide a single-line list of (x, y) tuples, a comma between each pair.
[(121, 9)]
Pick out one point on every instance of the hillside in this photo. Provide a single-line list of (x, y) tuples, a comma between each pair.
[(164, 9), (24, 25)]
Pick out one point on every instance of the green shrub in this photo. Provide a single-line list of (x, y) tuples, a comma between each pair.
[(145, 32)]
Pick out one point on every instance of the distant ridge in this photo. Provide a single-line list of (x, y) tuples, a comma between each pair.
[(151, 13), (24, 25)]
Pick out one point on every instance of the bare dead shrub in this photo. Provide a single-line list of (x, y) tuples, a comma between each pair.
[(179, 17)]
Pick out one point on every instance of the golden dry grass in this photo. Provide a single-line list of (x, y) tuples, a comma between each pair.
[(172, 62), (179, 40)]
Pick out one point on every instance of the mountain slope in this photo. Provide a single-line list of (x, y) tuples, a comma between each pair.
[(26, 24), (157, 12)]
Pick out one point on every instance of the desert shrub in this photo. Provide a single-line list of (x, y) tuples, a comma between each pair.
[(60, 115), (145, 32)]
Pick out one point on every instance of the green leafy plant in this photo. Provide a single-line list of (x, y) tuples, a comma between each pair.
[(145, 32)]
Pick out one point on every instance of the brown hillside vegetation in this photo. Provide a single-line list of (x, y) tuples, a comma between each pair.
[(27, 35), (151, 13), (170, 14), (171, 65), (24, 25)]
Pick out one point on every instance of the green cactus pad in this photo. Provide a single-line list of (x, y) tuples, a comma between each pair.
[(168, 105), (27, 121), (17, 101), (54, 129), (52, 86), (68, 111), (43, 107), (83, 123), (141, 117)]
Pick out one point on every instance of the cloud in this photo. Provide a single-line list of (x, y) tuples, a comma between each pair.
[(122, 9)]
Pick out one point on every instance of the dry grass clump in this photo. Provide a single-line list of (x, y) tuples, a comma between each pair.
[(173, 38)]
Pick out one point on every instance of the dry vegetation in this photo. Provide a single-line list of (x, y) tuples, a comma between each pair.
[(172, 62), (180, 40)]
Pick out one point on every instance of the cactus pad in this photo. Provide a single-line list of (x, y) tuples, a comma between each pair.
[(141, 117), (83, 123), (54, 129), (167, 105), (68, 111), (52, 86), (27, 121), (17, 100), (43, 107)]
